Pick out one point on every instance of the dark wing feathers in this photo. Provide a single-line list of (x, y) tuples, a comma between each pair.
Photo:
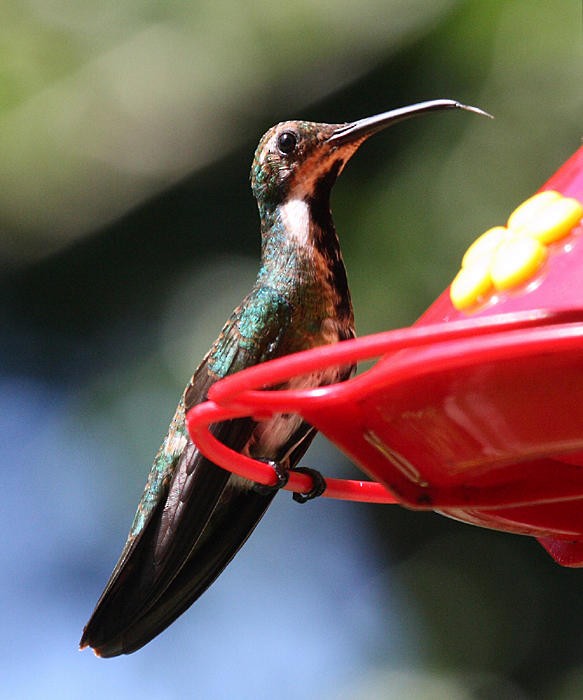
[(197, 573), (226, 532), (193, 518), (153, 558)]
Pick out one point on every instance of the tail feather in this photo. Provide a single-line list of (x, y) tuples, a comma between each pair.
[(227, 531), (138, 581)]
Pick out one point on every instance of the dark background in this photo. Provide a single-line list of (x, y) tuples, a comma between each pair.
[(127, 234)]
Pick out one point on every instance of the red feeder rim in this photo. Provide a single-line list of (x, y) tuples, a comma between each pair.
[(242, 394)]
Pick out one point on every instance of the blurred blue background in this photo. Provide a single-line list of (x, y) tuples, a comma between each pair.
[(128, 233)]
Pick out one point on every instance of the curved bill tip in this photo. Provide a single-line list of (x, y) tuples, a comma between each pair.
[(476, 110), (363, 128)]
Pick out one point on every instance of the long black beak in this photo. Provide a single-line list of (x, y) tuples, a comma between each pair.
[(363, 128)]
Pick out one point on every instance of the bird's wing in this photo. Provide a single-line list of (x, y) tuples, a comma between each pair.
[(191, 521)]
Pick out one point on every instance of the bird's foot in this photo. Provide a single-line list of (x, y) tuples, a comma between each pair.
[(282, 475), (318, 485)]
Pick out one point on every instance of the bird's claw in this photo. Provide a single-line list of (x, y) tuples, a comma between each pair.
[(281, 474), (318, 485)]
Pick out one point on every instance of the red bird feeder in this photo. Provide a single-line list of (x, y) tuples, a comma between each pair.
[(476, 411)]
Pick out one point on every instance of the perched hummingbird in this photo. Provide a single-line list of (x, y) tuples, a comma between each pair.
[(194, 516)]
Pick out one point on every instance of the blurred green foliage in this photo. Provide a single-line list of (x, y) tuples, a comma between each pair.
[(128, 232)]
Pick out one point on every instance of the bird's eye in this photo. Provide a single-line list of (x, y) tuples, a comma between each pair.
[(286, 142)]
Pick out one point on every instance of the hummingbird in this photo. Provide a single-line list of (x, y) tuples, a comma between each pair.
[(194, 516)]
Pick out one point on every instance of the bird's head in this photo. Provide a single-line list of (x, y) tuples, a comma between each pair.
[(301, 160)]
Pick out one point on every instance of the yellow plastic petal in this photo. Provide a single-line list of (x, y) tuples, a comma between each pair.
[(471, 284), (555, 221), (531, 208), (516, 261), (484, 247)]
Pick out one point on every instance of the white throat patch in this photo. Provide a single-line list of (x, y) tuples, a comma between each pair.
[(295, 215)]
